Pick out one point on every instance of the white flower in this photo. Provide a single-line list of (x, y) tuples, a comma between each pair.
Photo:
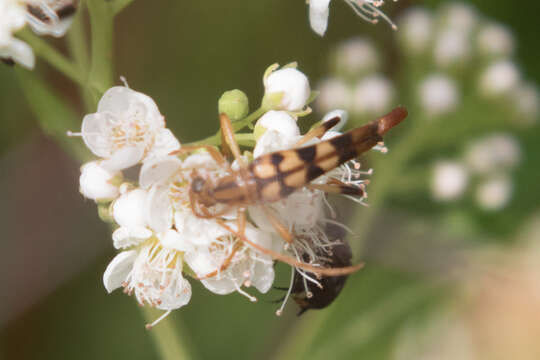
[(129, 211), (449, 180), (12, 19), (493, 153), (416, 30), (460, 16), (318, 15), (334, 93), (292, 84), (247, 267), (494, 193), (126, 129), (51, 17), (452, 46), (356, 56), (279, 121), (527, 102), (495, 40), (97, 183), (372, 95), (153, 273), (438, 95), (499, 78)]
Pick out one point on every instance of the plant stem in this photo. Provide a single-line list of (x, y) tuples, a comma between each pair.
[(167, 338), (119, 5), (100, 77), (52, 57)]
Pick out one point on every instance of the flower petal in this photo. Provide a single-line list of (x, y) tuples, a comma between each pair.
[(118, 270), (158, 170), (125, 237), (124, 158), (318, 15)]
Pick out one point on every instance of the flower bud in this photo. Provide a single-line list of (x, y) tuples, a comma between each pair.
[(495, 40), (97, 183), (495, 193), (279, 121), (499, 78), (449, 180), (234, 103), (372, 95), (438, 95), (293, 87), (416, 30)]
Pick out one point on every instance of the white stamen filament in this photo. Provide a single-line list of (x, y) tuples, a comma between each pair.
[(280, 310), (165, 314)]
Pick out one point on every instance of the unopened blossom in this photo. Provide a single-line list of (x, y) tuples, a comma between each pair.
[(449, 180), (372, 95), (293, 86), (333, 93), (416, 30), (438, 95), (126, 129), (495, 40), (493, 153), (98, 183), (356, 56), (527, 102), (499, 78), (12, 19), (494, 193), (129, 212), (279, 121), (366, 9)]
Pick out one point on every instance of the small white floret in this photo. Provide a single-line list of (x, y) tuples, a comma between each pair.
[(438, 95), (356, 56), (452, 46), (12, 19), (279, 121), (373, 95), (493, 153), (495, 40), (334, 93), (449, 180), (495, 193), (500, 78), (416, 30), (97, 183), (293, 85)]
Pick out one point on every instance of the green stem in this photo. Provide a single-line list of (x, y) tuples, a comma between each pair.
[(52, 56), (167, 338), (237, 125), (119, 5), (100, 77)]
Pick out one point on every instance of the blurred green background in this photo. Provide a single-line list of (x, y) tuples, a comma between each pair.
[(184, 54)]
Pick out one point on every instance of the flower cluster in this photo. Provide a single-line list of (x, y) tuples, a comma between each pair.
[(45, 17), (458, 64), (161, 236), (365, 9)]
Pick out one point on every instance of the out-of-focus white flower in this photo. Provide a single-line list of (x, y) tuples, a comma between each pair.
[(126, 129), (153, 273), (416, 28), (318, 15), (494, 193), (341, 114), (51, 17), (97, 183), (527, 102), (12, 19), (460, 16), (495, 40), (247, 267), (438, 95), (292, 84), (356, 56), (129, 212), (452, 46), (372, 95), (279, 121), (493, 153), (499, 78), (449, 180), (333, 93)]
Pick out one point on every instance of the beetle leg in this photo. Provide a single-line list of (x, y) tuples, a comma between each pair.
[(214, 153), (228, 136), (278, 225)]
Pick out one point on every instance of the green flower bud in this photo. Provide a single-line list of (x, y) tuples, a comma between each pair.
[(234, 103)]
